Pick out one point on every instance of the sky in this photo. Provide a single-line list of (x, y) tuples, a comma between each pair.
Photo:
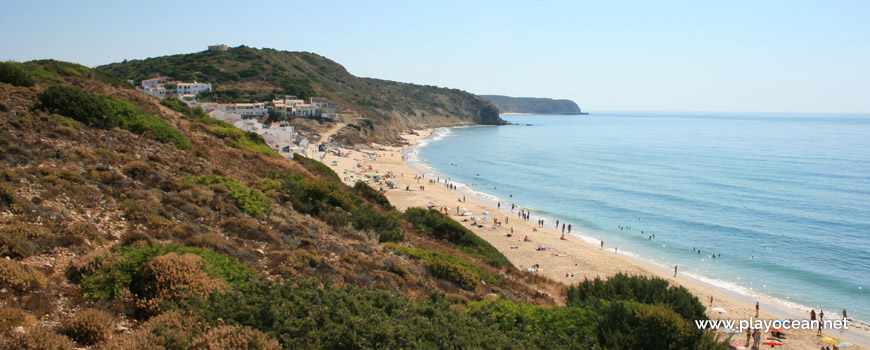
[(746, 56)]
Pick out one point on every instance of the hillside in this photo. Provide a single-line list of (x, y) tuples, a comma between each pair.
[(532, 105), (245, 74), (130, 224)]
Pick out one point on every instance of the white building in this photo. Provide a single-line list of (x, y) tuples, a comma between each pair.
[(305, 110), (286, 106), (193, 88), (155, 82), (250, 110)]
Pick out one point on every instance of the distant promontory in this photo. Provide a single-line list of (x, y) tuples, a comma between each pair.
[(532, 105)]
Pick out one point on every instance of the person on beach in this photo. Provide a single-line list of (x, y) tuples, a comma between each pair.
[(602, 245), (844, 314), (756, 309), (499, 206), (813, 315), (563, 228), (569, 228), (557, 224), (675, 275), (748, 336)]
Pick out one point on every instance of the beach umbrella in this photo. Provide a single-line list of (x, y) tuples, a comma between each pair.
[(719, 310), (433, 203), (830, 340), (392, 182), (772, 343), (485, 213), (845, 344)]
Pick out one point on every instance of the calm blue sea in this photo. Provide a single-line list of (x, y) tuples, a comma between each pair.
[(783, 198)]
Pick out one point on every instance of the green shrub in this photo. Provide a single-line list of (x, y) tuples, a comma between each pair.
[(132, 118), (68, 122), (632, 325), (548, 328), (317, 167), (13, 73), (89, 326), (107, 111), (386, 226), (367, 192), (640, 289), (113, 273), (78, 104), (250, 141), (63, 68), (450, 267), (305, 314), (176, 105), (249, 201), (253, 142), (441, 226)]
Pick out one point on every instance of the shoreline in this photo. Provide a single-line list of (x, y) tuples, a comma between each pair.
[(572, 256)]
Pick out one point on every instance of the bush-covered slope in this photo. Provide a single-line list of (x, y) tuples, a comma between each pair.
[(245, 74), (112, 237), (532, 105)]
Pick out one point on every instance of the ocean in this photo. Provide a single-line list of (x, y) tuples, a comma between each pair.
[(782, 200)]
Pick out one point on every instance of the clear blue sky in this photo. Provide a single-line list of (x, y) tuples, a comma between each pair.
[(764, 56)]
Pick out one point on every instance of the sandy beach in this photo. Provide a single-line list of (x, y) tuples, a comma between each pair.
[(567, 260)]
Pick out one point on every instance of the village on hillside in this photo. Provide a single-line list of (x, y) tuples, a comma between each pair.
[(281, 136)]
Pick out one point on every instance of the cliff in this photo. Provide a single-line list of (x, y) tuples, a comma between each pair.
[(532, 105)]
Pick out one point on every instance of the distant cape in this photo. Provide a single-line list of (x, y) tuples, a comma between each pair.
[(532, 105)]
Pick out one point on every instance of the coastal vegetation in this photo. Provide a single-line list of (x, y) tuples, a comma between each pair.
[(115, 235), (442, 227)]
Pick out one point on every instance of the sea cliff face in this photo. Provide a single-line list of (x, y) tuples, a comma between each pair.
[(532, 105)]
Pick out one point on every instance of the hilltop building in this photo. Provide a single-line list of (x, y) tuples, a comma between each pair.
[(217, 47)]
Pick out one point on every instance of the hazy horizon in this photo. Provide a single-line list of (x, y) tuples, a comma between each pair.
[(678, 56)]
